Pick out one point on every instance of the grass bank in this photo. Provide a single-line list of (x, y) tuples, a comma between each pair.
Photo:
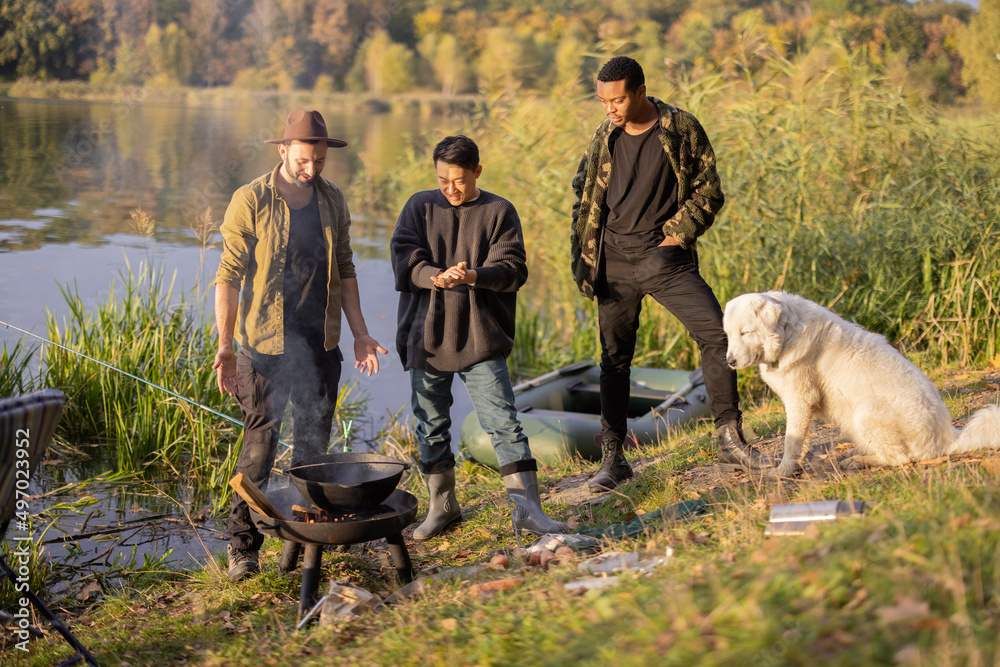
[(915, 581)]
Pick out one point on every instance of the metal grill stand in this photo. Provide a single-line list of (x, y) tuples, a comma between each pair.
[(387, 521)]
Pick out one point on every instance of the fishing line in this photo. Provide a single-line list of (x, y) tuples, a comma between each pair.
[(134, 377)]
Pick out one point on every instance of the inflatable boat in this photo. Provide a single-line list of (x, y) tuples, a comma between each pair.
[(561, 411)]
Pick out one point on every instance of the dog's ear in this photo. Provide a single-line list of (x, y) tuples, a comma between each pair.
[(773, 332), (768, 311)]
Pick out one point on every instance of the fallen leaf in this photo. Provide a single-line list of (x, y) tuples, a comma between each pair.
[(573, 522), (933, 462), (449, 624), (87, 591), (464, 553), (860, 596), (498, 585), (619, 502), (930, 624), (775, 499), (906, 608)]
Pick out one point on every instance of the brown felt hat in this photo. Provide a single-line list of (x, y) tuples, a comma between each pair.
[(302, 125)]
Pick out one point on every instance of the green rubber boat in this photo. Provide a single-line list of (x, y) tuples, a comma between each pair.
[(561, 411)]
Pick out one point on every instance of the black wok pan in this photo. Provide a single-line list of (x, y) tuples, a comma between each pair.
[(348, 480)]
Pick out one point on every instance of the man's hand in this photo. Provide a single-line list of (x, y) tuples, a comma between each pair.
[(225, 371), (366, 351), (456, 275), (670, 240)]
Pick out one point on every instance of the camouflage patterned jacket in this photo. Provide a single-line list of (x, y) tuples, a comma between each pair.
[(699, 193)]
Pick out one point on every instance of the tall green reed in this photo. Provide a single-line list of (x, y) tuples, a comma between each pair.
[(144, 330)]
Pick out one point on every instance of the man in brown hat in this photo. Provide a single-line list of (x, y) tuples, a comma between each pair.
[(286, 272)]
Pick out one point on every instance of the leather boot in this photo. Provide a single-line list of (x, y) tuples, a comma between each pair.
[(443, 510), (614, 468), (528, 515), (733, 448)]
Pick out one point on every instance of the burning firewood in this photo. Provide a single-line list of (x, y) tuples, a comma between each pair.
[(316, 515)]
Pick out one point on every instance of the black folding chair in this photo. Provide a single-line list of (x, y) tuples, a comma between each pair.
[(26, 427)]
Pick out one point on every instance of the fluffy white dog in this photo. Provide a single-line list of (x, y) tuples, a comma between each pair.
[(821, 365)]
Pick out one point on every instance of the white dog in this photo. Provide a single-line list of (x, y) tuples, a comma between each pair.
[(821, 365)]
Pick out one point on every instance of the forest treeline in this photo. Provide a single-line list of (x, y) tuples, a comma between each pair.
[(933, 49)]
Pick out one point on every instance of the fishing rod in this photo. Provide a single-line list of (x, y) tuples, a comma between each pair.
[(134, 377)]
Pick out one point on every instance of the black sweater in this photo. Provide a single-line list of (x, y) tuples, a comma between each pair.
[(452, 329)]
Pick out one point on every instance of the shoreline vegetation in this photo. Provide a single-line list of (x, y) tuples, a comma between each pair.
[(840, 188), (422, 103)]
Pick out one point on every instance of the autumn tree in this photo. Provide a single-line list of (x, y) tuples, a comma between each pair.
[(980, 49), (168, 53), (451, 68), (34, 40), (385, 66)]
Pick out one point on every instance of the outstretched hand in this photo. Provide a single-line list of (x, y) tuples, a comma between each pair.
[(366, 351)]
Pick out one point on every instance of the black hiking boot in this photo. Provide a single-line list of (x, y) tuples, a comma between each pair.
[(733, 448), (242, 563), (614, 468)]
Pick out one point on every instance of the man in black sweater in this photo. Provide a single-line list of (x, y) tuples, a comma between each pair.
[(458, 259)]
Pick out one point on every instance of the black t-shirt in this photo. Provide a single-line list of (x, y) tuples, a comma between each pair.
[(306, 277), (642, 190)]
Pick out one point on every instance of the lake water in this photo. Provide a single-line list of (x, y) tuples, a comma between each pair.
[(71, 173)]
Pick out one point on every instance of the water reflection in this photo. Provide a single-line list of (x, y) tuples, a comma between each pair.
[(72, 172)]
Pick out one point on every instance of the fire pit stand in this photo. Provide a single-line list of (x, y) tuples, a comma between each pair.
[(387, 521)]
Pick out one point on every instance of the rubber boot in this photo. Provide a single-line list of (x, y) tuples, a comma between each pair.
[(444, 509), (733, 448), (528, 515), (614, 468)]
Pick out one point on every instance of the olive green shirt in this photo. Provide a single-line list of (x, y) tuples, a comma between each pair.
[(254, 245)]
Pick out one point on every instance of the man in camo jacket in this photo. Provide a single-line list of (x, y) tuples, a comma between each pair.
[(646, 189)]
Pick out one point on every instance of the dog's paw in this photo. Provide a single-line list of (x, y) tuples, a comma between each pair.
[(784, 470)]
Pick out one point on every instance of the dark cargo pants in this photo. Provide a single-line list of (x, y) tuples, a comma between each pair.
[(669, 275), (264, 384)]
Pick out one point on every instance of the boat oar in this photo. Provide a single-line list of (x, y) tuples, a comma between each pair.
[(696, 378), (552, 375)]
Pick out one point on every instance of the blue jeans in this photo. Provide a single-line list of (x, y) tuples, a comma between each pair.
[(488, 384)]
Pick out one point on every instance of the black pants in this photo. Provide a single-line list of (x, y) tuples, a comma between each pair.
[(668, 275), (265, 383)]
